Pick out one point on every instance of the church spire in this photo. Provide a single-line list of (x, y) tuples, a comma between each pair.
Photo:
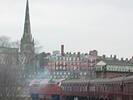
[(27, 28), (27, 42)]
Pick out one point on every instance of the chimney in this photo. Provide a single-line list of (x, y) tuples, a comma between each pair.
[(93, 53), (86, 54), (62, 50), (115, 57), (122, 59), (78, 53), (104, 56), (126, 59)]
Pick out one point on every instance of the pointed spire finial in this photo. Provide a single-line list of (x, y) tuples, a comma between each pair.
[(27, 28), (27, 43)]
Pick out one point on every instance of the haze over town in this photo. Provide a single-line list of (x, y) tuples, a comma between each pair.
[(81, 25)]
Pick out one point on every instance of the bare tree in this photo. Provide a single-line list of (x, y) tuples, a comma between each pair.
[(15, 44), (14, 71), (4, 41), (10, 70), (8, 83), (38, 47), (9, 80)]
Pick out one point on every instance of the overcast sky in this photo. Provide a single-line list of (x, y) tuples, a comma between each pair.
[(81, 25)]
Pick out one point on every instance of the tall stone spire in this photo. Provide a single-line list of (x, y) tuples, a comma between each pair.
[(27, 42), (27, 46), (27, 29)]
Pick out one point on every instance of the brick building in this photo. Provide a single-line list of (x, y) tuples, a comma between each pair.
[(87, 65), (42, 61), (110, 67), (63, 64), (72, 65)]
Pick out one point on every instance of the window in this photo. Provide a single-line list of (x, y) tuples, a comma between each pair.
[(50, 77), (56, 58), (75, 68), (64, 68), (64, 63), (85, 73), (56, 62), (56, 68)]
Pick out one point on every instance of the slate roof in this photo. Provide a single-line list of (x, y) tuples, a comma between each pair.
[(117, 62), (100, 80)]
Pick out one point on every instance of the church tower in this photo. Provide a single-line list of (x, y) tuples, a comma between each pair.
[(27, 42)]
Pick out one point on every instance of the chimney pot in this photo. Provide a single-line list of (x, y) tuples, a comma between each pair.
[(126, 59), (114, 56), (62, 50), (104, 56), (121, 59)]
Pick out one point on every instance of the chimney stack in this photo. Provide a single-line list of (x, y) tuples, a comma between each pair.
[(78, 53), (62, 50), (115, 57), (122, 59), (104, 56), (126, 59)]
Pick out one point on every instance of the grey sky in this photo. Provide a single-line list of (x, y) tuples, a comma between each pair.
[(81, 25)]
